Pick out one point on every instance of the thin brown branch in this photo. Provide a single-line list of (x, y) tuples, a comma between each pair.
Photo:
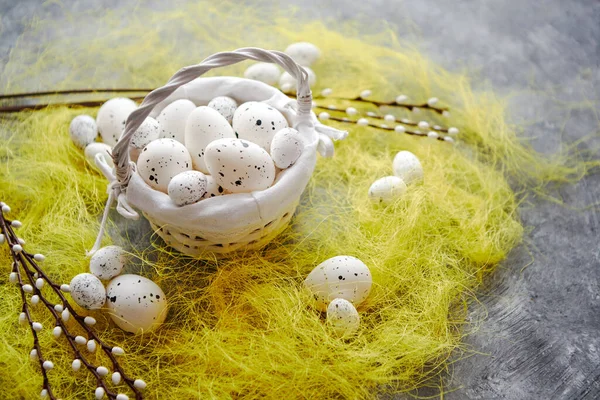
[(41, 106), (71, 91)]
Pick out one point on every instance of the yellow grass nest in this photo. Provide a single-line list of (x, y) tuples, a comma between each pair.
[(243, 327)]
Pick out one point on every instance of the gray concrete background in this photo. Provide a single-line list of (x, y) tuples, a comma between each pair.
[(541, 337)]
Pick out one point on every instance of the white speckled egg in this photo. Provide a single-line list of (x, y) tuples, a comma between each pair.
[(108, 262), (408, 167), (92, 149), (136, 304), (258, 122), (240, 166), (303, 53), (88, 291), (148, 131), (213, 189), (286, 147), (161, 160), (187, 187), (112, 117), (385, 190), (83, 130), (264, 72), (172, 119), (342, 317), (343, 277), (288, 83), (203, 126), (225, 106)]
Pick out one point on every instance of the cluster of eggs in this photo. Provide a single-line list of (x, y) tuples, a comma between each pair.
[(339, 285), (136, 304), (407, 170), (304, 53)]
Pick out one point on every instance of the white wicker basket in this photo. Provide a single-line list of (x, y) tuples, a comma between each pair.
[(230, 222)]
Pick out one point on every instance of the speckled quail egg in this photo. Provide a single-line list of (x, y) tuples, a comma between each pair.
[(343, 277), (92, 149), (172, 119), (408, 167), (387, 189), (148, 131), (225, 105), (288, 83), (258, 122), (108, 262), (303, 53), (343, 317), (240, 166), (87, 291), (83, 130), (136, 304), (161, 160), (286, 147), (264, 72), (187, 187), (203, 126), (112, 117)]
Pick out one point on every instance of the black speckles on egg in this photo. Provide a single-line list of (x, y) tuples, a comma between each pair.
[(258, 122), (163, 159), (88, 291)]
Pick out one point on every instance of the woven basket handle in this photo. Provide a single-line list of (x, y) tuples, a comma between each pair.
[(120, 152)]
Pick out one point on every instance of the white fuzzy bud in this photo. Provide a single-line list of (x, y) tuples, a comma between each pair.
[(5, 209), (39, 283), (35, 299), (33, 355), (80, 340), (400, 129), (448, 139), (58, 308), (401, 99), (326, 92), (433, 135), (65, 288), (423, 125), (39, 257), (91, 345), (65, 315), (21, 241), (48, 365), (116, 378), (140, 384), (57, 331), (331, 107), (384, 126), (89, 321), (389, 118), (432, 101), (36, 275), (22, 318), (365, 93), (446, 114), (2, 238), (16, 224), (437, 127), (324, 115), (99, 393), (117, 351), (453, 131), (122, 396), (371, 114), (405, 121), (27, 288), (314, 104), (44, 393), (362, 122), (416, 110), (345, 119), (76, 365), (102, 371), (351, 111), (17, 248), (13, 277)]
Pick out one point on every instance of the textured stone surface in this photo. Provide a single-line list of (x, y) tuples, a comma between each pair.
[(541, 336)]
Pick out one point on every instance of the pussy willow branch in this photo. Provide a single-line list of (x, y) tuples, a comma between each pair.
[(23, 259), (72, 91), (386, 128), (41, 106), (439, 110)]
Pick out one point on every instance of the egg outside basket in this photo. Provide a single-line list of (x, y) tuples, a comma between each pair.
[(231, 222)]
